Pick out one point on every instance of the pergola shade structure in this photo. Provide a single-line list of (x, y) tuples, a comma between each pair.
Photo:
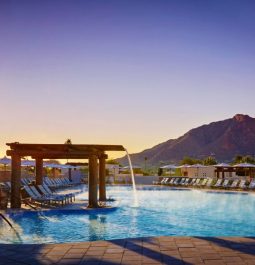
[(93, 153), (246, 168)]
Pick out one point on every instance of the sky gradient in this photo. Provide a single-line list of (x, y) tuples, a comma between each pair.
[(122, 72)]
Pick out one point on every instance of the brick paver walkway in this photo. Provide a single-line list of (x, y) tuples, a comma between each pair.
[(154, 250)]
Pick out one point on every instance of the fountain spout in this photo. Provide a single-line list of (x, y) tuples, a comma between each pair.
[(133, 179)]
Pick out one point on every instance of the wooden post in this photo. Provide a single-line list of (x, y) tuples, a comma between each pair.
[(70, 174), (93, 176), (15, 182), (39, 171), (53, 172), (102, 188)]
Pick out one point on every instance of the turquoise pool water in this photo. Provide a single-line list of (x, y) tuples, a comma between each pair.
[(161, 211)]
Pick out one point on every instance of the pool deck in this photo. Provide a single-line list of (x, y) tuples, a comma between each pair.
[(149, 250)]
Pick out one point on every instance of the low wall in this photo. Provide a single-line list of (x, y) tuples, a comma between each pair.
[(145, 180), (126, 178)]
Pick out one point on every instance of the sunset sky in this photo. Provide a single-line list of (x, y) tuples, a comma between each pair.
[(134, 73)]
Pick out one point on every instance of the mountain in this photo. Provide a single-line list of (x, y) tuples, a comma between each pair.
[(225, 139)]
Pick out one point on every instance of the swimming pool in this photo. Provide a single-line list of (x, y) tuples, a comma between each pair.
[(161, 211)]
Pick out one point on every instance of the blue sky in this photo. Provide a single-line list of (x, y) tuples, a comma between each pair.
[(122, 72)]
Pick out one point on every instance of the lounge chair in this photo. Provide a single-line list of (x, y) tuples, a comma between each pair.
[(56, 182), (36, 198), (171, 182), (186, 182), (182, 181), (162, 181), (66, 182), (47, 181), (242, 184), (218, 183), (192, 181), (60, 183), (70, 195), (209, 183), (25, 181), (48, 192), (252, 185), (203, 182), (70, 182), (51, 183), (167, 181), (55, 199), (225, 183), (196, 183), (177, 181), (8, 185), (234, 184)]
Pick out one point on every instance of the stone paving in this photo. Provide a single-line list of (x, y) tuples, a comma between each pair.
[(150, 250)]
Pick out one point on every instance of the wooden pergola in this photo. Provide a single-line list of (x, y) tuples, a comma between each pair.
[(93, 153), (234, 169), (223, 170)]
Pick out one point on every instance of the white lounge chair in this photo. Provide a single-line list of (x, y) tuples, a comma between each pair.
[(234, 183), (48, 182), (203, 182), (225, 183), (70, 195), (192, 181), (67, 181), (36, 198), (252, 185), (186, 181), (46, 191), (182, 181), (209, 183), (177, 181), (196, 182), (242, 184), (167, 181), (172, 181), (163, 181), (58, 199), (218, 183)]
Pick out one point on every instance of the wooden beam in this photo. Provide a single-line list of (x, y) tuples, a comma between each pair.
[(102, 188), (81, 147), (93, 176), (52, 153), (15, 182), (39, 171)]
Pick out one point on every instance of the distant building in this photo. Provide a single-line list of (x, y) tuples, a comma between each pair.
[(198, 171)]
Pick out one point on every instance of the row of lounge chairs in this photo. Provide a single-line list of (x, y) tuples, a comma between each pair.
[(55, 183), (43, 195), (207, 182)]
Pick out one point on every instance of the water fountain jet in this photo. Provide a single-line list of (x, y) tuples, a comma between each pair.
[(133, 180)]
